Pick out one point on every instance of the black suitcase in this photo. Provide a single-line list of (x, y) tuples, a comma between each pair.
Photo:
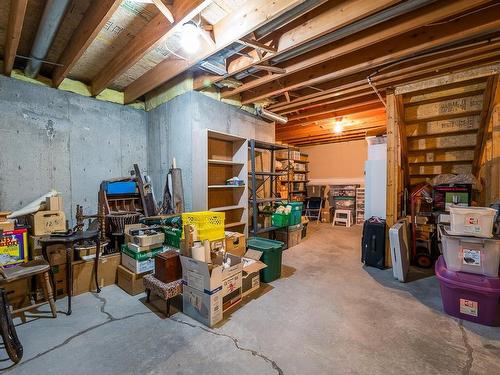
[(373, 243)]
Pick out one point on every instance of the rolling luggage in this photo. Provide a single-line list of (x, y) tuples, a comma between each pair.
[(373, 243)]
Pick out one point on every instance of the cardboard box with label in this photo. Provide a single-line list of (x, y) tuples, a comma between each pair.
[(231, 291), (236, 243), (131, 282), (251, 271), (138, 266), (205, 307), (143, 239), (46, 222)]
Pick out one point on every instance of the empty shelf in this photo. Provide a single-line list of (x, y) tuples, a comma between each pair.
[(233, 225), (223, 162), (226, 208), (268, 174), (225, 186)]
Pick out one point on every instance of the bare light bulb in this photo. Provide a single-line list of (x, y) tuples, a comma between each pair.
[(338, 128), (190, 37)]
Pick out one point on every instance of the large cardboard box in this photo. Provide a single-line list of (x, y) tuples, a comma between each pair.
[(208, 277), (236, 243), (143, 240), (130, 282), (13, 247), (251, 271), (46, 222), (7, 225), (59, 272), (17, 293), (205, 307), (83, 273), (56, 253), (231, 291)]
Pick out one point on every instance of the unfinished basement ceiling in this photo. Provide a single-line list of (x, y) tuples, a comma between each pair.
[(307, 60)]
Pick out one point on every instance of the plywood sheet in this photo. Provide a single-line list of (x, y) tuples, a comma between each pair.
[(443, 126), (124, 25)]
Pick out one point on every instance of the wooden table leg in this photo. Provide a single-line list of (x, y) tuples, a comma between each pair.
[(52, 281), (69, 274), (97, 251)]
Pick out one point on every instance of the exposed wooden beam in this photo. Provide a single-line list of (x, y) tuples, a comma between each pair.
[(14, 28), (347, 104), (247, 18), (391, 77), (155, 32), (255, 44), (488, 99), (331, 140), (272, 69), (330, 134), (403, 139), (91, 24), (162, 7), (333, 16), (301, 73)]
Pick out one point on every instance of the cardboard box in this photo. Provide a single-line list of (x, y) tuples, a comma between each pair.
[(208, 277), (251, 271), (143, 240), (137, 266), (231, 291), (140, 249), (235, 243), (46, 222), (325, 215), (17, 293), (205, 307), (54, 203), (83, 273), (7, 225), (56, 253), (59, 272), (130, 282), (13, 247), (294, 235)]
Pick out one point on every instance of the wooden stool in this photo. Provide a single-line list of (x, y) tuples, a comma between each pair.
[(26, 270), (343, 216), (166, 291)]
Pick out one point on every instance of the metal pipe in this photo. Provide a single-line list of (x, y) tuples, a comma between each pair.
[(272, 116), (53, 14)]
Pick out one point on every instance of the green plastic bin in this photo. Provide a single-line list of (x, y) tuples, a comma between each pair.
[(271, 256), (280, 220), (296, 214), (173, 237)]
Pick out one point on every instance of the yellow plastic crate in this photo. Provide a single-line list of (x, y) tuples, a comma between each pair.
[(210, 225)]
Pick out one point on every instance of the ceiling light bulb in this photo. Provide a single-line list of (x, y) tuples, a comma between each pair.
[(190, 37), (338, 128)]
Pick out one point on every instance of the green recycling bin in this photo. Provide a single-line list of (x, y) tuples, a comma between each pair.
[(271, 256)]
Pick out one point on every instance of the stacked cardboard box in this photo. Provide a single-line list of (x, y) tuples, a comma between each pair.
[(137, 257)]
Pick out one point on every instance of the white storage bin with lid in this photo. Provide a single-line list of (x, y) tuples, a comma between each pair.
[(470, 254), (472, 221)]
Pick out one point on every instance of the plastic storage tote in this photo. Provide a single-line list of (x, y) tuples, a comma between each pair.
[(280, 220), (472, 221), (470, 254), (296, 214), (468, 296), (120, 187), (271, 256)]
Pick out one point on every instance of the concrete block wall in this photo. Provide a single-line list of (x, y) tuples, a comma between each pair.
[(51, 139)]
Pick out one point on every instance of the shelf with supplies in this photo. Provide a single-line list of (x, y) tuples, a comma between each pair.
[(360, 205), (294, 163)]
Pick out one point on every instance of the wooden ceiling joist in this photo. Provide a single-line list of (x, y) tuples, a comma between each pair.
[(92, 22), (333, 17), (301, 73), (246, 19), (158, 30), (14, 28)]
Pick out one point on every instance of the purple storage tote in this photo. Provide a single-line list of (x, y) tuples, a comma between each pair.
[(469, 296)]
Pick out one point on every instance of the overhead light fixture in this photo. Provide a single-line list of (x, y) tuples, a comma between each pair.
[(190, 34), (339, 126), (262, 112)]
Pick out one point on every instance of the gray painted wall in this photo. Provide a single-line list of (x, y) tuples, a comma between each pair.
[(177, 129), (51, 139)]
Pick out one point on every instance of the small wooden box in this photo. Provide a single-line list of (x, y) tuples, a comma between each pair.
[(54, 203), (168, 266)]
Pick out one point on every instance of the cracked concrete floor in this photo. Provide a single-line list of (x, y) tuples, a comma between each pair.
[(327, 315)]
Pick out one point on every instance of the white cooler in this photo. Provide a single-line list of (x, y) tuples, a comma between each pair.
[(470, 254), (472, 221)]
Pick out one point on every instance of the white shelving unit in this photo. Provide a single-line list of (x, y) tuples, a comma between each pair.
[(360, 206)]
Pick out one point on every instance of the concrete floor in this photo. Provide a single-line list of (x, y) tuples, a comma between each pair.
[(327, 315)]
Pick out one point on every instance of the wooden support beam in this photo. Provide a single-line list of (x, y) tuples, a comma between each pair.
[(272, 69), (403, 140), (328, 141), (91, 24), (488, 104), (155, 32), (255, 44), (333, 16), (346, 104), (311, 71), (162, 7), (14, 28), (247, 18)]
